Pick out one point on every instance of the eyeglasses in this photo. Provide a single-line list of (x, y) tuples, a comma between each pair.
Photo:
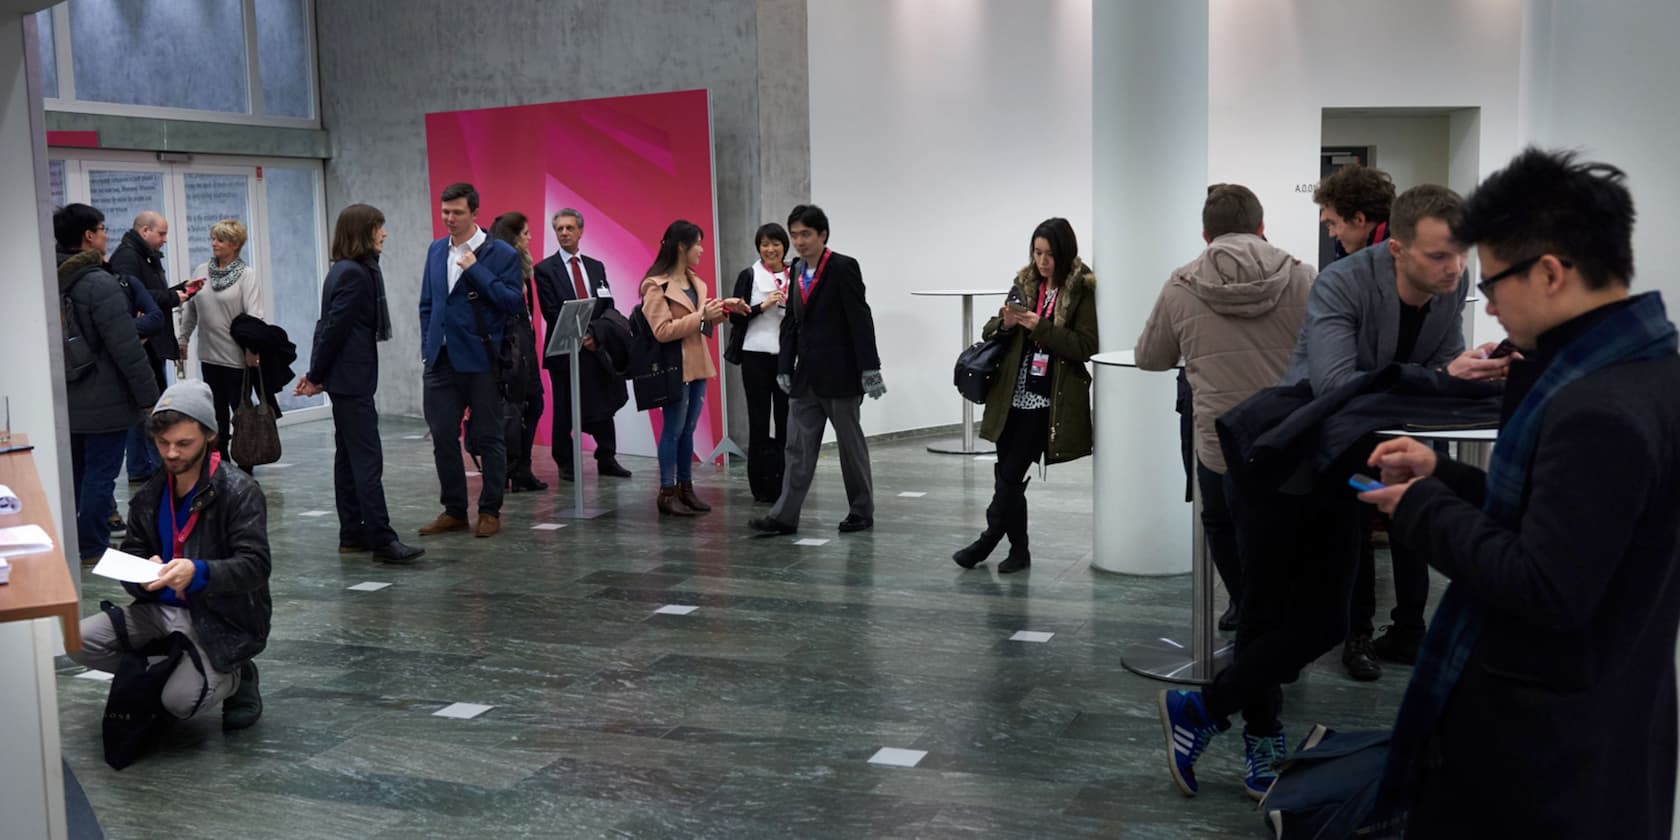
[(1519, 267)]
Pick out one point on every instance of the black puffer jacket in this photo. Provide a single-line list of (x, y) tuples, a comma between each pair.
[(231, 613), (134, 258), (121, 385)]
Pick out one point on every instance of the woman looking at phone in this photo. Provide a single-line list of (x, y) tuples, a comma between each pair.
[(678, 308), (1039, 407)]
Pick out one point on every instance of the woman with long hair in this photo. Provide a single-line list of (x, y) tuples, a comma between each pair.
[(755, 344), (527, 408), (1040, 405), (232, 290), (678, 308)]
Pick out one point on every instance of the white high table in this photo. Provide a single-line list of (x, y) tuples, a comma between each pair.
[(967, 444), (1121, 544)]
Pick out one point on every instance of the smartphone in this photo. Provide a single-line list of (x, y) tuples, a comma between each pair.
[(1365, 483), (1504, 349), (1017, 306)]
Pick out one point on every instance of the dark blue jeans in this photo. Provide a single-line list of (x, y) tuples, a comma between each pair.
[(676, 436), (143, 457), (95, 460)]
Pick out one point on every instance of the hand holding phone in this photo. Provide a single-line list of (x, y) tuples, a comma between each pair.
[(1365, 483), (1504, 349)]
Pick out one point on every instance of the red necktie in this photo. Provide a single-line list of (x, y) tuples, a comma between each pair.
[(577, 280)]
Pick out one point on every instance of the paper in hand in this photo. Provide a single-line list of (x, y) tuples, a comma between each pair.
[(119, 565)]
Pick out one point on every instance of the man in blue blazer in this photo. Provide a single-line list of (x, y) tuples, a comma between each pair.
[(470, 288)]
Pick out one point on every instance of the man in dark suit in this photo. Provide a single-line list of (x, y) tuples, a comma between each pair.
[(344, 363), (827, 363), (568, 275), (139, 256), (469, 290), (1543, 700)]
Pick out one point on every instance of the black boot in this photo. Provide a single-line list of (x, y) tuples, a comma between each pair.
[(976, 552), (1015, 525)]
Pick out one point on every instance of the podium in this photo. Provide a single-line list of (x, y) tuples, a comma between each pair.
[(567, 340)]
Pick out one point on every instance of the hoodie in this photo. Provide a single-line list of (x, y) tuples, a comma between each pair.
[(1231, 316), (113, 397)]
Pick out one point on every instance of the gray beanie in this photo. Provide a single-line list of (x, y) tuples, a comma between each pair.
[(190, 397)]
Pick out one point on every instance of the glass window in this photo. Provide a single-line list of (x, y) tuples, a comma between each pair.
[(55, 182), (294, 236), (121, 195), (49, 53), (283, 58), (167, 53), (210, 199)]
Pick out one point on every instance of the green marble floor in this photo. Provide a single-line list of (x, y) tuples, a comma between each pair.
[(755, 715)]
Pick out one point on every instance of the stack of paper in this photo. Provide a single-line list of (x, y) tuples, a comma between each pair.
[(24, 539), (126, 567), (5, 570)]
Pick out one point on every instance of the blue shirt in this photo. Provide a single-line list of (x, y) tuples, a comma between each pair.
[(167, 526)]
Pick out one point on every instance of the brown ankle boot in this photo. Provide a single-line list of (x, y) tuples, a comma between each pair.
[(670, 504), (685, 492)]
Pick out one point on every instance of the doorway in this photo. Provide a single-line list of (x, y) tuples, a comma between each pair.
[(280, 201)]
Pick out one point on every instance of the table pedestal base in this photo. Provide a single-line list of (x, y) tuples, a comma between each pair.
[(957, 446), (1169, 661)]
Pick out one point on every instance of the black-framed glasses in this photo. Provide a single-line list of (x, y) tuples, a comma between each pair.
[(1518, 267)]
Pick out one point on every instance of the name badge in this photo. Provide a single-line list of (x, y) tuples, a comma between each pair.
[(1040, 364), (604, 292)]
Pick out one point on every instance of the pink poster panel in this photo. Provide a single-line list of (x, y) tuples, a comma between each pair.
[(630, 164)]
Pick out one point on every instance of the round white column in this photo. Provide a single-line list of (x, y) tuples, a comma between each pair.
[(1149, 150)]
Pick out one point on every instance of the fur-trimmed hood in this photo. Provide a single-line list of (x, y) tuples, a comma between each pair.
[(1081, 283), (69, 265)]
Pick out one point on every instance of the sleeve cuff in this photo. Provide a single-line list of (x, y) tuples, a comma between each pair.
[(201, 576)]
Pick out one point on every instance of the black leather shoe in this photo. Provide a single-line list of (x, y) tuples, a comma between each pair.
[(243, 707), (352, 548), (613, 469), (526, 484), (766, 525), (1019, 558), (1398, 644), (1228, 619), (566, 474), (397, 554), (1359, 660), (853, 523)]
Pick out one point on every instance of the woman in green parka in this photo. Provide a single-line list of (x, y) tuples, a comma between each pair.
[(1040, 404)]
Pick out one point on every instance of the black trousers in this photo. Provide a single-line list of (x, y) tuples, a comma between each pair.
[(519, 460), (765, 403), (1219, 524), (1026, 433), (603, 431), (448, 395), (1299, 558), (226, 394), (1411, 584), (359, 473)]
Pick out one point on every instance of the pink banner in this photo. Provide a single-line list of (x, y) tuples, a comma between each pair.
[(630, 164)]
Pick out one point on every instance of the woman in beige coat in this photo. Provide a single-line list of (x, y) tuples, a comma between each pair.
[(678, 308)]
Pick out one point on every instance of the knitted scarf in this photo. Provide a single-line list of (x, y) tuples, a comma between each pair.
[(221, 278), (1638, 332)]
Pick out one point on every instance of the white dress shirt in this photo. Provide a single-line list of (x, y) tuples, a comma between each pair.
[(567, 258), (457, 251)]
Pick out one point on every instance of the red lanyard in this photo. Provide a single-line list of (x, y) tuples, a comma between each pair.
[(779, 276), (1044, 298), (804, 290), (184, 531)]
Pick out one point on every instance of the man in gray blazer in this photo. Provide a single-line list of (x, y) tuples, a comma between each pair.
[(1396, 301)]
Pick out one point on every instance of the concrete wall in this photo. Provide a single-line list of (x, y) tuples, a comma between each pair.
[(384, 66)]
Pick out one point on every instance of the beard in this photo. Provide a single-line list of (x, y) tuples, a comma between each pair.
[(189, 465)]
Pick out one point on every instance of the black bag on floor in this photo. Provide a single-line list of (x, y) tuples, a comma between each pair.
[(134, 713), (1328, 788)]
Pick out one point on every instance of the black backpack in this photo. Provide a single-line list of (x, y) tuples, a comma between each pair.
[(134, 712), (81, 355), (507, 364), (655, 369)]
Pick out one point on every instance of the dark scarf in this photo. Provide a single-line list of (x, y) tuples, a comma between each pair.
[(383, 331), (1636, 332)]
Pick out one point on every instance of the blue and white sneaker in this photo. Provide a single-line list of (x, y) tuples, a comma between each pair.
[(1263, 755), (1184, 721)]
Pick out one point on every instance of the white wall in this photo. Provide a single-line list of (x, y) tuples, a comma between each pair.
[(1412, 150), (1274, 65), (942, 132)]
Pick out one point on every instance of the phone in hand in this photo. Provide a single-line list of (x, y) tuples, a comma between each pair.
[(1017, 306), (1365, 483), (1504, 349)]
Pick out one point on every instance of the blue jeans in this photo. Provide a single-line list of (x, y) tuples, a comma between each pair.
[(676, 437), (143, 459), (95, 460)]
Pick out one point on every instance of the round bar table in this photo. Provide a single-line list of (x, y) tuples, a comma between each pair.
[(1164, 658), (968, 444)]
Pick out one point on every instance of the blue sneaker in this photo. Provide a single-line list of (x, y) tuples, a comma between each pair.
[(1263, 755), (1184, 721)]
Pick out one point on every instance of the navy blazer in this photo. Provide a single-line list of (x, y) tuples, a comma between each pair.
[(345, 357), (448, 314), (828, 341)]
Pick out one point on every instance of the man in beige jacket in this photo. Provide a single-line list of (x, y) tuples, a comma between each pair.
[(1232, 316)]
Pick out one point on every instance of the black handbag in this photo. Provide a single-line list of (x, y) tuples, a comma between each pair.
[(977, 368), (256, 433), (134, 712), (656, 367)]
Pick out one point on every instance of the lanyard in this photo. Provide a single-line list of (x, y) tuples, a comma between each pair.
[(804, 290), (779, 276), (1044, 299), (181, 533)]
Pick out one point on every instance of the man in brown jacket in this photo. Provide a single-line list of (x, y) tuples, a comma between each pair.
[(1232, 315)]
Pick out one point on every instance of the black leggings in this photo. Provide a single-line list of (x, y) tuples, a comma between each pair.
[(1025, 435)]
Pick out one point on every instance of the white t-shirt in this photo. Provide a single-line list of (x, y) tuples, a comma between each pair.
[(764, 332)]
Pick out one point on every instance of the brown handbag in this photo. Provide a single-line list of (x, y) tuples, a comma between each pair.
[(256, 437)]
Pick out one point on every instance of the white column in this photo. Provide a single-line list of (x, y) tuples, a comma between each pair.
[(1150, 124)]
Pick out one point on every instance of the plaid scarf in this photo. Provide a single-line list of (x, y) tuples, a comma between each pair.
[(1638, 332)]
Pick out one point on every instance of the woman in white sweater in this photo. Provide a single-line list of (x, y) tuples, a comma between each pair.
[(231, 289)]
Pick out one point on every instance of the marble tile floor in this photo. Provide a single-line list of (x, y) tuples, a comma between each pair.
[(753, 715)]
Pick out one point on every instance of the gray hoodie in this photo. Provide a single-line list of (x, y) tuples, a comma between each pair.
[(1231, 316)]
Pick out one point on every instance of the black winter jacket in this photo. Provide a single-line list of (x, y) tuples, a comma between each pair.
[(112, 396), (231, 614), (134, 258)]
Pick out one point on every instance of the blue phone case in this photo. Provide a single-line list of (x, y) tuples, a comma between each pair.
[(1365, 484)]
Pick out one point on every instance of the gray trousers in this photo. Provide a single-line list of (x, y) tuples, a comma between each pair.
[(148, 621), (807, 416)]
